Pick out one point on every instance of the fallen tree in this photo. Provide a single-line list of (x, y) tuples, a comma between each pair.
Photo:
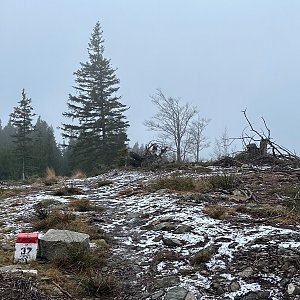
[(153, 155)]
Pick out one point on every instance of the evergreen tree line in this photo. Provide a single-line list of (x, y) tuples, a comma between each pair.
[(94, 130), (27, 149)]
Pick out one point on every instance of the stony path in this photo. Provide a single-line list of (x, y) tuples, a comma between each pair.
[(157, 235)]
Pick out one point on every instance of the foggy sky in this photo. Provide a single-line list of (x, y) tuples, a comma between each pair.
[(222, 56)]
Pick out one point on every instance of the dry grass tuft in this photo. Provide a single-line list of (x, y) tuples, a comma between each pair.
[(50, 178), (104, 182), (78, 258), (83, 205), (97, 284), (224, 181), (67, 191), (52, 219), (201, 257), (50, 173), (219, 211), (75, 257), (174, 182), (166, 255), (6, 193), (271, 212), (78, 174), (202, 185)]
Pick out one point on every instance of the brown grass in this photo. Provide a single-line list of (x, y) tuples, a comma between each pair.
[(83, 205), (97, 284), (271, 212), (67, 191), (50, 177), (104, 182), (201, 257), (166, 255), (78, 174), (52, 219), (224, 181), (6, 193), (219, 211)]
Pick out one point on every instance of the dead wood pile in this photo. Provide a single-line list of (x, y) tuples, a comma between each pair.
[(154, 154), (261, 147)]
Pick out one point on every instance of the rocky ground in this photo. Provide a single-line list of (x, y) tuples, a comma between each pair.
[(235, 242)]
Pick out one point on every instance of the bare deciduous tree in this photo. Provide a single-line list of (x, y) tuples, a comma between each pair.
[(222, 145), (171, 120), (197, 140)]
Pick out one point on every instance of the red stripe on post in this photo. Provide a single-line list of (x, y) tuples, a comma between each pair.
[(27, 238)]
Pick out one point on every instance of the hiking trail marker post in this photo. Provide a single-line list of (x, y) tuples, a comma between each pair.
[(26, 247)]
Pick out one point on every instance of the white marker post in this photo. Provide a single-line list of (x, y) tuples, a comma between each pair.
[(26, 247)]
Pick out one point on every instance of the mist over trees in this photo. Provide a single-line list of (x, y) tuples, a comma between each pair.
[(95, 130)]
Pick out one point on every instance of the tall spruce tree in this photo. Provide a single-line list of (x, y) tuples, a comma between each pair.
[(21, 119), (98, 125)]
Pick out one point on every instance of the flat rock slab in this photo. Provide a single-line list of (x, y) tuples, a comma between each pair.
[(176, 293), (55, 242)]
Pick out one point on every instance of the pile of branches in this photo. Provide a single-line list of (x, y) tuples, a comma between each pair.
[(153, 155), (267, 146), (13, 287)]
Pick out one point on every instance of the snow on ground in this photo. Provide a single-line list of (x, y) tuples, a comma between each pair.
[(138, 241)]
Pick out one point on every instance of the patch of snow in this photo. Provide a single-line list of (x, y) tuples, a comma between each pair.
[(245, 288)]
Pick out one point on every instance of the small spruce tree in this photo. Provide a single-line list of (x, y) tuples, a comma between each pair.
[(21, 119)]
